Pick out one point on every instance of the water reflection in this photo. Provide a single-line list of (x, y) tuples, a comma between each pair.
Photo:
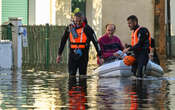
[(132, 94), (10, 89), (41, 90), (77, 93), (138, 95)]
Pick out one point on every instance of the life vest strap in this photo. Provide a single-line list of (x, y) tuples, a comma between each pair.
[(72, 43), (77, 46)]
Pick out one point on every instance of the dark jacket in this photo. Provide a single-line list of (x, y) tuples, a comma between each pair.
[(143, 41), (155, 56), (90, 37)]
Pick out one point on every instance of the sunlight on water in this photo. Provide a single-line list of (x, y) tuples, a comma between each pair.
[(42, 90)]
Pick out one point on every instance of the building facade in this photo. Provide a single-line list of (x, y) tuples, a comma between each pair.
[(30, 11), (14, 8)]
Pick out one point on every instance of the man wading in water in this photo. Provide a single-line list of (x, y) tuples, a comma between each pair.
[(79, 36)]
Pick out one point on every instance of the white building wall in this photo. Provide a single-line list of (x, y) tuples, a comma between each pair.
[(42, 11), (45, 11)]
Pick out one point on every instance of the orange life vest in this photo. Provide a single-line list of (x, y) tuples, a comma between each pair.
[(80, 41), (134, 38)]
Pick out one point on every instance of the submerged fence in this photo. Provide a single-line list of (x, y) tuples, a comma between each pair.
[(43, 42), (6, 32)]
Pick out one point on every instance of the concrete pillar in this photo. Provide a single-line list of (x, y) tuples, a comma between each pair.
[(89, 11), (53, 12), (63, 12), (94, 15), (16, 42), (32, 10)]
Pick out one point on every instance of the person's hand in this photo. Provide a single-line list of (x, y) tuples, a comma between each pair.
[(125, 50), (151, 56), (116, 54), (58, 59), (126, 45), (100, 61)]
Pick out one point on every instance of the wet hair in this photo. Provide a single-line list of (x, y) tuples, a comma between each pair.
[(78, 14), (110, 24), (133, 18)]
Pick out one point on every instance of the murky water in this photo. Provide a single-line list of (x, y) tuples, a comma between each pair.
[(29, 90)]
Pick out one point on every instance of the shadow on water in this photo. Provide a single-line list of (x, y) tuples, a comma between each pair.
[(42, 90)]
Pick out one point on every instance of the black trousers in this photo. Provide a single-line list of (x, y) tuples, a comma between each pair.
[(76, 63), (139, 66)]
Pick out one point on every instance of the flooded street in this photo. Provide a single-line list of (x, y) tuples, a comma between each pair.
[(40, 90)]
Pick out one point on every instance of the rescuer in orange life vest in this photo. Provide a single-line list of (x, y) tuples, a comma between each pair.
[(79, 34), (140, 45)]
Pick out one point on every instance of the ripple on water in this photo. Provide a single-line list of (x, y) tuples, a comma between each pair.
[(44, 90)]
